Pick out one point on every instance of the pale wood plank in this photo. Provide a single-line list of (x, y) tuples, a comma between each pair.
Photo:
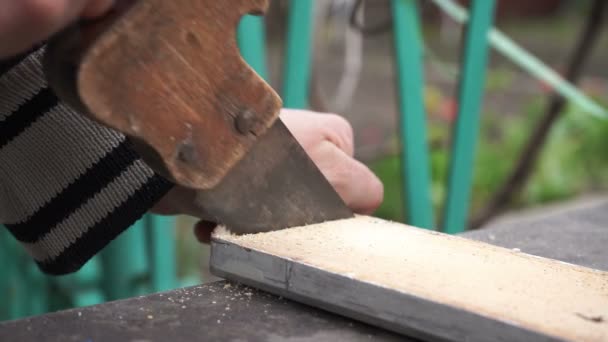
[(544, 298)]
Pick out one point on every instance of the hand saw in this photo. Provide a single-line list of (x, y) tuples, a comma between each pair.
[(169, 75)]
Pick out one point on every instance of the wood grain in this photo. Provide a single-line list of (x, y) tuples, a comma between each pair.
[(422, 283)]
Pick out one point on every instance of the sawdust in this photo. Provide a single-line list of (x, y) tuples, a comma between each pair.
[(544, 295), (222, 231)]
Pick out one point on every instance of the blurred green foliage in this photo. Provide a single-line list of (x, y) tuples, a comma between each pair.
[(574, 159)]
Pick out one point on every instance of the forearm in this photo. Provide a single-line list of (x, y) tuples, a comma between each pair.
[(68, 186)]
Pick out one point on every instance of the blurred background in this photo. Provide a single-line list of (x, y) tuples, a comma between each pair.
[(483, 142)]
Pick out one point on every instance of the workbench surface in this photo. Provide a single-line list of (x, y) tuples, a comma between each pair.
[(224, 311)]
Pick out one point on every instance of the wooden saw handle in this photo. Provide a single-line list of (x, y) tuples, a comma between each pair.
[(169, 75)]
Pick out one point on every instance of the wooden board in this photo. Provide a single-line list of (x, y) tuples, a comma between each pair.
[(421, 283)]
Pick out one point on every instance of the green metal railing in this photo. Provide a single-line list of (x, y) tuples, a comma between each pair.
[(528, 62), (139, 261), (252, 42), (474, 62), (296, 76), (415, 154)]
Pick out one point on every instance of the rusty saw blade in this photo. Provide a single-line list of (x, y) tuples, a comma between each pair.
[(276, 185)]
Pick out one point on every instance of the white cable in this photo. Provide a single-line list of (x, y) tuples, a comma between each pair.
[(353, 49), (353, 62)]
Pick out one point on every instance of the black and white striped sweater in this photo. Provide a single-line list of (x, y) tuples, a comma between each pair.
[(67, 185)]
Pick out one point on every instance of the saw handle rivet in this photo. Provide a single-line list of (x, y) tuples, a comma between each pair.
[(245, 121), (193, 40), (186, 152)]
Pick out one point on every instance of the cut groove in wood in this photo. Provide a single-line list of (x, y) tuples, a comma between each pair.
[(421, 283)]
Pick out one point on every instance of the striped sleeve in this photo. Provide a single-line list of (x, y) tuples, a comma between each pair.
[(68, 186)]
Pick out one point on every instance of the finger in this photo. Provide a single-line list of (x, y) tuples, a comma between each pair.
[(203, 231), (310, 128), (356, 184), (24, 23), (339, 131)]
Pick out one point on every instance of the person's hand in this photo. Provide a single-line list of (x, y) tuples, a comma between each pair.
[(25, 23), (328, 140)]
